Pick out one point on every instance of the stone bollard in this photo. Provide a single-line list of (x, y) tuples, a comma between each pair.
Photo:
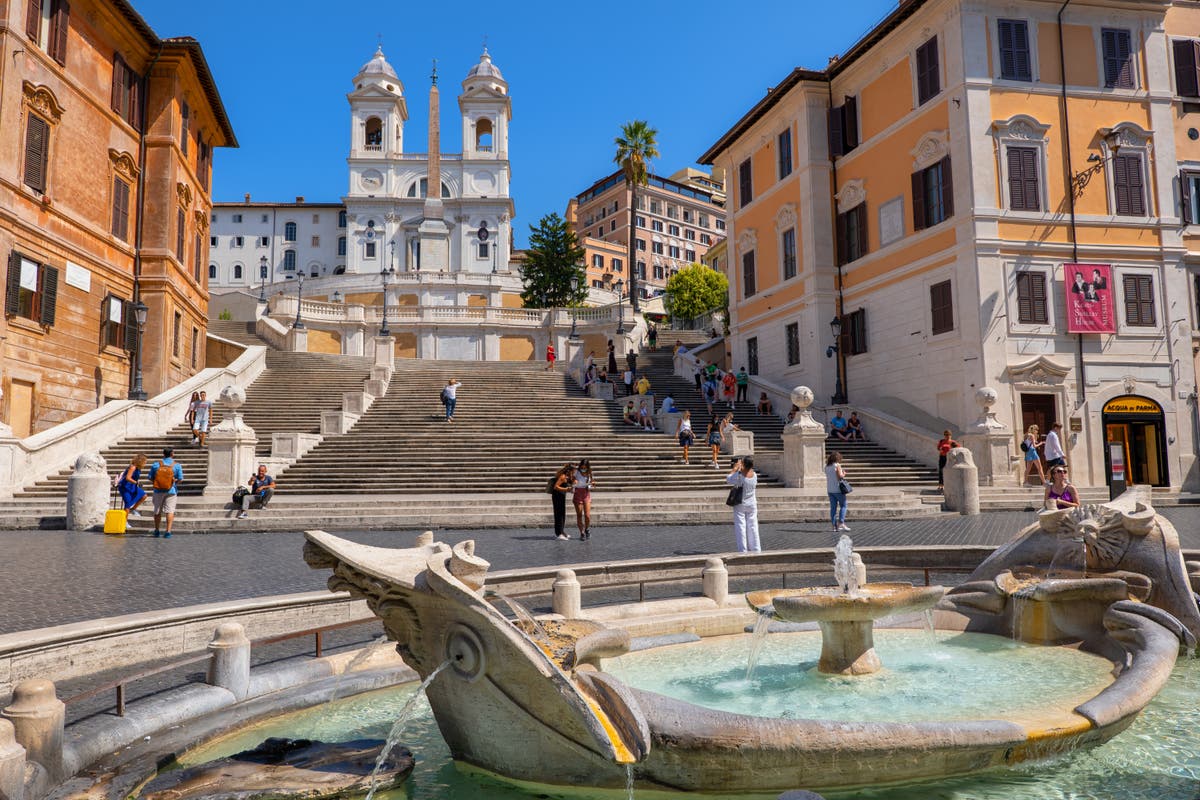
[(567, 595), (87, 492), (962, 482), (803, 445), (425, 539), (715, 580), (230, 665), (12, 764), (38, 717)]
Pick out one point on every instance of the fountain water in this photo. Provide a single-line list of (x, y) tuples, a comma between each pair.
[(845, 570), (527, 622), (393, 737), (762, 626)]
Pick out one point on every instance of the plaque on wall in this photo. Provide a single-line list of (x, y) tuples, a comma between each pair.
[(891, 221), (79, 277)]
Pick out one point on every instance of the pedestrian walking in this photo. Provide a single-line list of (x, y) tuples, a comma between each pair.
[(612, 358), (262, 489), (745, 513), (165, 475), (581, 498), (713, 436), (1059, 493), (710, 395), (652, 336), (1033, 461), (132, 494), (836, 486), (628, 379), (631, 361), (201, 419), (944, 446), (685, 434), (558, 487), (698, 377), (1053, 451), (190, 416), (450, 397), (730, 386), (743, 385), (550, 356)]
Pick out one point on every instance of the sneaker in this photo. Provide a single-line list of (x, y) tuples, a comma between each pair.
[(716, 465), (133, 513), (167, 535), (157, 533), (843, 527), (195, 440), (562, 537), (243, 515)]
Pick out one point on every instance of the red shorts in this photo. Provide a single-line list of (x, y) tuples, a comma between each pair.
[(581, 495)]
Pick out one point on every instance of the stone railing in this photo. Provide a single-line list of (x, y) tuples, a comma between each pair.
[(24, 461)]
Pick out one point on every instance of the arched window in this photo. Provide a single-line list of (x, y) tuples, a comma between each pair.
[(374, 133), (289, 232), (421, 189), (483, 136), (237, 272), (212, 272), (289, 260)]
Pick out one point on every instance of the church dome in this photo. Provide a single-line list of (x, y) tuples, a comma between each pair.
[(485, 68), (378, 65)]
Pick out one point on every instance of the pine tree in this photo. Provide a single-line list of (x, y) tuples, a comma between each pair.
[(554, 260)]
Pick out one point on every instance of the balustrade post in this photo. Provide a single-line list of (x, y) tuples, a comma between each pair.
[(12, 763), (567, 595), (230, 664), (715, 580), (38, 719)]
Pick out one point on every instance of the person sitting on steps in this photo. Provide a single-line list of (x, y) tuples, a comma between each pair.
[(630, 416), (262, 488), (838, 427), (764, 405)]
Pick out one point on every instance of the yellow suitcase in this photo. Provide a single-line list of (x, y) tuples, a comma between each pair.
[(116, 520)]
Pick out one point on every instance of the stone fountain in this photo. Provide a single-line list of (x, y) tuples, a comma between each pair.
[(846, 613)]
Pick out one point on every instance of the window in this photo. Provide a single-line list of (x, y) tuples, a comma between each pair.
[(1189, 185), (745, 184), (933, 195), (641, 244), (784, 147), (748, 285), (843, 127), (941, 307), (185, 114), (212, 272), (617, 265), (179, 234), (32, 289), (238, 218), (374, 134), (203, 159), (672, 211), (370, 250), (289, 232), (656, 248), (612, 226), (655, 207), (598, 261), (341, 250), (1118, 58), (238, 241), (854, 331), (641, 270), (852, 234), (673, 251), (673, 230), (1015, 64), (263, 218), (1128, 186), (687, 215), (658, 272), (597, 283), (212, 241), (690, 235), (316, 219), (120, 209), (640, 221), (788, 253), (195, 346), (752, 355), (316, 241), (126, 95), (792, 335), (178, 323), (702, 220), (37, 152), (720, 223), (1187, 67), (117, 327), (237, 272), (689, 256), (656, 225), (705, 239), (1031, 298), (289, 260), (264, 241), (197, 252), (341, 219), (928, 79), (1024, 193), (1139, 300)]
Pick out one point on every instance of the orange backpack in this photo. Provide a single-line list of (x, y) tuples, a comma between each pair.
[(164, 477)]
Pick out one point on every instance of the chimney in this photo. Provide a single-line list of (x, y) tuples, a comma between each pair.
[(299, 198), (247, 197)]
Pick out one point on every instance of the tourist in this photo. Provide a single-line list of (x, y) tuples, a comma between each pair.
[(550, 356), (1059, 493), (631, 361), (712, 435), (837, 427), (643, 384), (582, 499), (712, 332), (668, 404), (603, 377), (791, 415), (835, 486), (727, 427), (628, 380), (201, 419), (743, 385), (652, 336), (729, 382), (190, 416), (1033, 461), (132, 494), (764, 405), (450, 397), (630, 416), (710, 395), (612, 358), (944, 446), (262, 488), (854, 427), (589, 377), (698, 377), (710, 372), (590, 361), (562, 482), (745, 513), (165, 474), (645, 418), (685, 434), (679, 348), (1055, 457)]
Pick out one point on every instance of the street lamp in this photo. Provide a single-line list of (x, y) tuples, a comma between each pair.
[(337, 296), (835, 349), (262, 276), (298, 325), (386, 274), (620, 287), (139, 316), (574, 316)]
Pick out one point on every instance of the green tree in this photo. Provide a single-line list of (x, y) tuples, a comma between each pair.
[(554, 260), (695, 290), (637, 144)]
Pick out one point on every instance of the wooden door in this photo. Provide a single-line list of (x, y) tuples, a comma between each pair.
[(20, 408)]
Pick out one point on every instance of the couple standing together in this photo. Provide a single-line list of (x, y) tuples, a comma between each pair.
[(578, 482)]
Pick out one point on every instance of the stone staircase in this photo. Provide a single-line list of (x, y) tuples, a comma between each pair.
[(870, 464), (240, 332)]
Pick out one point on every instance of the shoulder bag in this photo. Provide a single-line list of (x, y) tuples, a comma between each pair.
[(735, 496)]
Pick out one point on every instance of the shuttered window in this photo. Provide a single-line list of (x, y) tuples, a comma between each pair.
[(1118, 58), (33, 20), (1129, 186), (792, 334), (1024, 193), (788, 250), (941, 307), (56, 46), (185, 122), (1189, 188), (745, 184), (115, 317), (179, 232), (928, 76), (933, 195), (126, 97), (843, 127), (1015, 64), (749, 286), (852, 234), (1139, 300), (784, 143), (31, 289), (120, 209), (37, 152), (197, 252), (1031, 298), (854, 331), (1187, 67)]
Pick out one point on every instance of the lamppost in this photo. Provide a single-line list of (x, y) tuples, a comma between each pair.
[(262, 276), (387, 273), (620, 287), (139, 316), (338, 296), (835, 349), (298, 325), (574, 317)]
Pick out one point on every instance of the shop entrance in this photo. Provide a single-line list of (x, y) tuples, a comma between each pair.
[(1136, 424), (1040, 410)]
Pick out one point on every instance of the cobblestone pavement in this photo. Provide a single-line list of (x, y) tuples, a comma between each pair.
[(57, 577)]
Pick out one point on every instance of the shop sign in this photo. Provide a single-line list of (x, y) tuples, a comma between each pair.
[(1131, 405), (1088, 292)]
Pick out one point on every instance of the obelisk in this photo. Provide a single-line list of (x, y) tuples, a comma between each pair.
[(435, 236)]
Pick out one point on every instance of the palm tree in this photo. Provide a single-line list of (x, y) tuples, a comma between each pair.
[(637, 144)]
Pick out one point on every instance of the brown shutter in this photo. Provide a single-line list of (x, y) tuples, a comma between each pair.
[(1185, 194), (33, 20), (37, 146), (836, 134), (48, 302), (947, 188), (1033, 200), (179, 222), (59, 19), (137, 97), (120, 209), (116, 97), (918, 200), (850, 123), (922, 68), (1187, 67), (12, 289), (1016, 179), (1024, 298), (130, 333), (860, 229), (1137, 194)]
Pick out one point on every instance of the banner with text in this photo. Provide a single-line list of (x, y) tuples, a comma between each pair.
[(1089, 298)]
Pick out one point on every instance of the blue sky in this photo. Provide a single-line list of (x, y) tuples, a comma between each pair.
[(575, 74)]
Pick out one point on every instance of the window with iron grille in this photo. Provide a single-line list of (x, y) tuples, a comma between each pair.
[(854, 331), (792, 334), (1139, 300), (1024, 190), (1031, 298), (941, 307), (1015, 63)]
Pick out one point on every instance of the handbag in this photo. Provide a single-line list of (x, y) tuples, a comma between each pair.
[(844, 486), (735, 496)]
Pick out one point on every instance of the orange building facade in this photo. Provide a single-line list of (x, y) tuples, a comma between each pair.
[(932, 190), (106, 141)]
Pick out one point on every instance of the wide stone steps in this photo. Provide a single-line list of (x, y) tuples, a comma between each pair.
[(240, 332)]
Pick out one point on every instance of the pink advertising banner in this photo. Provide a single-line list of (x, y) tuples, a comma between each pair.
[(1089, 296)]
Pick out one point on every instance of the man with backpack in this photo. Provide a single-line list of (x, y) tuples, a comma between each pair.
[(165, 474), (450, 397)]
